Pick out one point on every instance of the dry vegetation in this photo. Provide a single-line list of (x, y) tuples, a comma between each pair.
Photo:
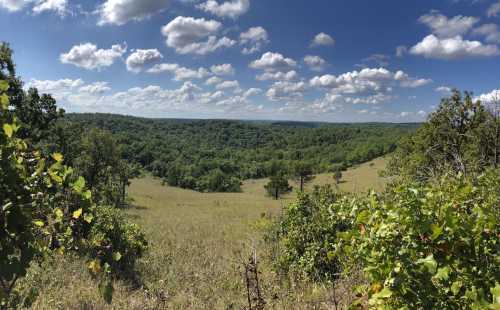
[(198, 243)]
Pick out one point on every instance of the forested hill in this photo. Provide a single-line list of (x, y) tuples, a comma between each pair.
[(215, 155)]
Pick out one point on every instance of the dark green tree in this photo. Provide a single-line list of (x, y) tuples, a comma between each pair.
[(303, 173), (337, 175), (277, 186)]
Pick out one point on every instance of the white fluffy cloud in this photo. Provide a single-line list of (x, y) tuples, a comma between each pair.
[(322, 39), (232, 9), (490, 32), (491, 97), (494, 9), (224, 69), (277, 76), (213, 80), (253, 39), (120, 12), (285, 90), (228, 84), (315, 63), (54, 86), (374, 84), (188, 35), (452, 48), (95, 88), (141, 58), (58, 6), (14, 5), (273, 62), (445, 90), (446, 27), (180, 73), (87, 56)]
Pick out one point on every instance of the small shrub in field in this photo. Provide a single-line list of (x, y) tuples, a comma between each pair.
[(430, 247), (307, 235), (114, 241)]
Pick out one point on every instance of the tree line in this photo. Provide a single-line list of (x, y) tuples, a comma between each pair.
[(216, 155)]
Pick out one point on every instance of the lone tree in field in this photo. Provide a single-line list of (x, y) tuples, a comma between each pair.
[(337, 175), (303, 173), (277, 186)]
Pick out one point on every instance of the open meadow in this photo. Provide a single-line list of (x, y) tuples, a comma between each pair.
[(198, 242)]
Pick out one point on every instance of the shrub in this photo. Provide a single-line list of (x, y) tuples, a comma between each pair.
[(430, 247)]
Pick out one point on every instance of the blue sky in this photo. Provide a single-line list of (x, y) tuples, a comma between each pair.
[(319, 60)]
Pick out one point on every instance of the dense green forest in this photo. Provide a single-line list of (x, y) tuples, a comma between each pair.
[(215, 155)]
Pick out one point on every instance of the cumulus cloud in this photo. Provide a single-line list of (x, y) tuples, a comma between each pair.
[(315, 63), (188, 35), (372, 84), (273, 62), (322, 39), (232, 9), (141, 58), (285, 90), (277, 76), (228, 84), (452, 48), (180, 73), (95, 88), (445, 90), (120, 12), (14, 5), (493, 10), (213, 80), (87, 56), (446, 27), (378, 59), (490, 32), (58, 6), (54, 86), (224, 69), (253, 39), (492, 97)]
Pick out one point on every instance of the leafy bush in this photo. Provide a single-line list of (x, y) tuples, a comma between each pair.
[(114, 242), (429, 247), (307, 235)]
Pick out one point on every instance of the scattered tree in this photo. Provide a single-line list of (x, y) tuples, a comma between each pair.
[(303, 172), (277, 186)]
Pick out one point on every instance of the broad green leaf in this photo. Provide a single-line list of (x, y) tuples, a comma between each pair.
[(443, 273), (384, 293), (4, 102), (455, 287), (4, 85), (87, 194), (106, 289), (117, 256), (436, 231), (8, 130), (79, 185), (87, 217), (495, 292), (429, 263), (363, 217), (77, 213)]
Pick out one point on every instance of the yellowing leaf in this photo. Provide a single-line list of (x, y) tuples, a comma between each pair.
[(8, 130), (77, 213), (57, 157), (59, 213), (94, 267), (39, 223), (436, 231)]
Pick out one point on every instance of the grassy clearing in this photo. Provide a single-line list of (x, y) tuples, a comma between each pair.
[(197, 244)]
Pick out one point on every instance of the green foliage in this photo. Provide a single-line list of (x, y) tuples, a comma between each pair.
[(303, 172), (193, 153), (461, 136), (307, 236), (46, 208), (277, 186), (114, 242), (433, 246)]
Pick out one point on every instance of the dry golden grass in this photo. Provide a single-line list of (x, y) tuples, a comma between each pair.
[(197, 244)]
